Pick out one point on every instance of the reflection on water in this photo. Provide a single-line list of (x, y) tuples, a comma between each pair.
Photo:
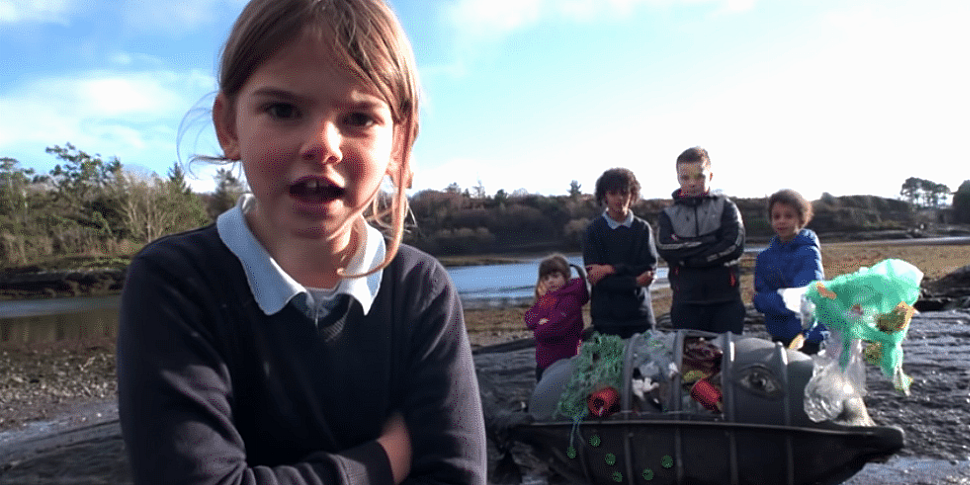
[(55, 320), (27, 308), (64, 319), (513, 284)]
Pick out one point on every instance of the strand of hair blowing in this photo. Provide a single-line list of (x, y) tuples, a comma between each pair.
[(393, 73), (398, 212)]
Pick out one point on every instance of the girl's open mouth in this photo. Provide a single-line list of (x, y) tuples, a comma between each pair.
[(315, 191)]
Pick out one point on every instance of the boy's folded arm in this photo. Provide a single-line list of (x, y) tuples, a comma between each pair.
[(617, 282), (633, 269), (675, 249), (727, 244)]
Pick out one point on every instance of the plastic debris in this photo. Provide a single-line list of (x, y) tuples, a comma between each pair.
[(872, 305)]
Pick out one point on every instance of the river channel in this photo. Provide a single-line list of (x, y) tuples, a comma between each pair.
[(82, 319)]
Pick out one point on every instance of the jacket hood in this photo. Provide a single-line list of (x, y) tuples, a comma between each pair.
[(805, 237), (575, 286)]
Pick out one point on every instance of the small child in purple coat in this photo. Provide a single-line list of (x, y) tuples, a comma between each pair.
[(556, 318)]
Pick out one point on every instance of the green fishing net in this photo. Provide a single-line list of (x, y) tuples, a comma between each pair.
[(599, 363)]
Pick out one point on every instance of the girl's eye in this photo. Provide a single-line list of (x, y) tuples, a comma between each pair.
[(282, 110), (360, 119)]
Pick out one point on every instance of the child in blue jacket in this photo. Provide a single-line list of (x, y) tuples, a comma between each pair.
[(792, 260)]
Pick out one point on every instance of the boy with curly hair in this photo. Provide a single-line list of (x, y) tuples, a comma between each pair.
[(620, 259)]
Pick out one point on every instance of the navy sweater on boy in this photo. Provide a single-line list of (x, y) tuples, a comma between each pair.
[(618, 305)]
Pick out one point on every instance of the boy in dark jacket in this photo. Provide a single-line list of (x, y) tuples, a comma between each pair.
[(620, 259), (702, 240), (792, 260)]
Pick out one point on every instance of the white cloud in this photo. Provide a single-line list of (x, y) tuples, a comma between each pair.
[(42, 11), (493, 19), (133, 115), (146, 16), (134, 60), (176, 17)]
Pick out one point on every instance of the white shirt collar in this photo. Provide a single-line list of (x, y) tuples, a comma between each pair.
[(628, 222), (272, 287)]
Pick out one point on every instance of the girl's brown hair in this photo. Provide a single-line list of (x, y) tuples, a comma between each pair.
[(795, 200), (365, 36), (554, 263)]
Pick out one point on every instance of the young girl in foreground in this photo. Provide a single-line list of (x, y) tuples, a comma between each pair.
[(288, 343), (792, 260), (556, 318)]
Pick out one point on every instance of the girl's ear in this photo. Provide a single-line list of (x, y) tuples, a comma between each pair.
[(224, 120)]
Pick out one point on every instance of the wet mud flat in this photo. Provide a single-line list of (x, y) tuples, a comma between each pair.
[(935, 416), (85, 446)]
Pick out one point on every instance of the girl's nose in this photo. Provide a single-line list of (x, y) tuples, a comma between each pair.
[(322, 144)]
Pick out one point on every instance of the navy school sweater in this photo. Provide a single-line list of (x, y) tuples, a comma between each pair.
[(212, 390), (617, 301)]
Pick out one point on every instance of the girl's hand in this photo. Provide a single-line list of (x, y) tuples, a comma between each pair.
[(396, 441), (543, 321), (541, 289), (645, 278)]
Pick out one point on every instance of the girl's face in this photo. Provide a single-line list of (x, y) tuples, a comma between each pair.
[(694, 178), (785, 221), (618, 204), (554, 281), (315, 143)]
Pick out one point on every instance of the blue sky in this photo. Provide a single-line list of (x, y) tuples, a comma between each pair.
[(840, 96)]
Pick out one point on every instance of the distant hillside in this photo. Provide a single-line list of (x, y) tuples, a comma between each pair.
[(855, 214)]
